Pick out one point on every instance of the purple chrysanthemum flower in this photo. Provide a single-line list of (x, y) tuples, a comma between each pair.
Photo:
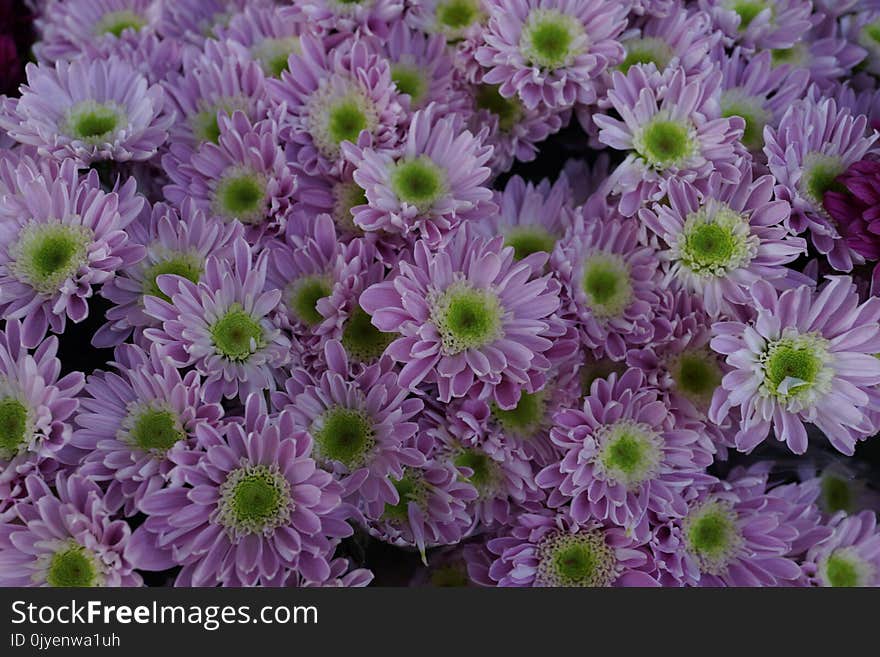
[(430, 186), (550, 52), (673, 128), (194, 21), (66, 538), (336, 94), (815, 143), (611, 283), (35, 405), (720, 239), (175, 244), (269, 36), (624, 454), (358, 425), (854, 208), (457, 20), (850, 556), (223, 325), (472, 319), (807, 357), (842, 487), (248, 507), (61, 236), (761, 24), (244, 176), (348, 16), (89, 110), (551, 550), (827, 58), (131, 421), (734, 534)]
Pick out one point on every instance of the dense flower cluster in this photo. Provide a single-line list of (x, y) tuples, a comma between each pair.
[(275, 285)]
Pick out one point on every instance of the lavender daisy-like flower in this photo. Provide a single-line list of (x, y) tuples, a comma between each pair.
[(551, 550), (35, 408), (850, 556), (194, 21), (61, 235), (723, 238), (472, 320), (853, 203), (89, 110), (550, 52), (248, 510), (129, 422), (624, 454), (612, 284), (223, 325), (244, 176), (815, 143), (347, 16), (828, 58), (761, 24), (455, 19), (66, 538), (175, 244), (808, 357), (336, 94), (431, 185), (672, 128), (269, 36)]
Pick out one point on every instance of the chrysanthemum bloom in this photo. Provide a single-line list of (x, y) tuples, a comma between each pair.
[(336, 94), (223, 325), (549, 550), (828, 59), (612, 283), (761, 24), (673, 128), (757, 91), (853, 203), (194, 21), (455, 19), (472, 319), (89, 110), (66, 538), (317, 195), (348, 16), (35, 406), (850, 556), (244, 176), (550, 52), (175, 244), (733, 535), (802, 514), (815, 143), (807, 357), (61, 236), (428, 187), (722, 238), (70, 28), (245, 511), (358, 424), (269, 36), (841, 487), (129, 422), (624, 454)]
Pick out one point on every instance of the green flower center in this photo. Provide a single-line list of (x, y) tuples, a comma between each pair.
[(665, 142), (303, 296), (453, 16), (186, 265), (116, 22), (747, 10), (820, 176), (347, 195), (550, 39), (575, 560), (712, 536), (466, 318), (254, 499), (844, 568), (796, 55), (205, 123), (526, 418), (715, 240), (508, 110), (872, 31), (237, 335), (345, 435), (527, 240), (697, 375), (46, 255), (796, 367), (337, 115), (646, 50), (735, 103), (485, 472), (93, 122), (74, 566), (241, 195), (450, 576), (418, 182), (607, 284), (274, 53), (14, 427), (410, 488), (410, 80), (153, 428), (837, 495), (630, 453), (363, 341)]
